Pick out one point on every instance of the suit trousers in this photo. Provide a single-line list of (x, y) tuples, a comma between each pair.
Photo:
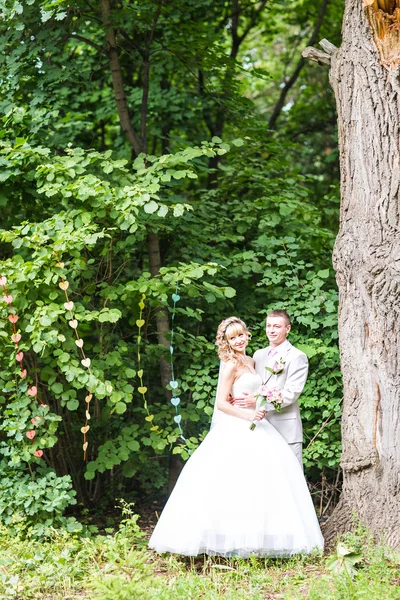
[(297, 449)]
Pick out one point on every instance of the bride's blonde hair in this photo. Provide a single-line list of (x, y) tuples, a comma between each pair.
[(230, 327)]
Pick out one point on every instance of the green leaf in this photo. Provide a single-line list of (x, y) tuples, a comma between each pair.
[(150, 207), (229, 292), (179, 209), (72, 404)]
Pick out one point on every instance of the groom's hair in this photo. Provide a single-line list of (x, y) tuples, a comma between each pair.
[(280, 313)]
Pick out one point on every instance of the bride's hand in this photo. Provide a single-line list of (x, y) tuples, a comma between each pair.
[(258, 414)]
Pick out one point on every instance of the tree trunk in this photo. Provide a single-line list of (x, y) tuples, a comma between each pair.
[(162, 319), (367, 263), (139, 144)]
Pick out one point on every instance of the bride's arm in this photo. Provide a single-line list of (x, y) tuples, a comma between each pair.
[(227, 378)]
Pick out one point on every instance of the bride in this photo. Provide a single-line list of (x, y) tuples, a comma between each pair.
[(242, 492)]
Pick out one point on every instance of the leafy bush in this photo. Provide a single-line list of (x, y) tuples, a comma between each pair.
[(33, 504)]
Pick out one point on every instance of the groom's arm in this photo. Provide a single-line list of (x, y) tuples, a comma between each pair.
[(295, 380)]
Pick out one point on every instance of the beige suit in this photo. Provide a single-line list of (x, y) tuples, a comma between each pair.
[(291, 382)]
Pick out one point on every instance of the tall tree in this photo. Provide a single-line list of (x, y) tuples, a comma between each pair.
[(364, 76)]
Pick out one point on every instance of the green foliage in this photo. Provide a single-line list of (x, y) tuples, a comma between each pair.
[(34, 505), (117, 566), (244, 222)]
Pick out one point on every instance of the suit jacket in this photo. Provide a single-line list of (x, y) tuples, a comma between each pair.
[(291, 382)]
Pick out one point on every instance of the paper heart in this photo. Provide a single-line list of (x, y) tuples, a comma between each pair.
[(23, 374), (85, 445), (19, 356), (32, 391), (73, 323), (13, 318), (86, 362), (88, 415), (140, 322), (30, 434), (88, 398), (178, 419), (35, 421), (175, 297), (8, 299), (38, 453), (60, 265), (69, 305), (79, 343), (142, 390), (64, 285), (149, 418), (16, 337), (140, 373), (3, 281), (175, 401), (85, 429), (171, 349), (173, 384)]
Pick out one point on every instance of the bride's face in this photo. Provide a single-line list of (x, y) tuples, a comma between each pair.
[(237, 339)]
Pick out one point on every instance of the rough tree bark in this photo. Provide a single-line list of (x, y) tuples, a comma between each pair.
[(365, 78)]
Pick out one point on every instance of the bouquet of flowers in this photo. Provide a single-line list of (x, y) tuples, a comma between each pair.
[(272, 396)]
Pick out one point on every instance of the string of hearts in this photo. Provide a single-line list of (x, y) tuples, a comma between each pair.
[(19, 356), (175, 400), (142, 389), (85, 361)]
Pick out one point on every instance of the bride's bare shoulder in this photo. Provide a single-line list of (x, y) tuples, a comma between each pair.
[(229, 369)]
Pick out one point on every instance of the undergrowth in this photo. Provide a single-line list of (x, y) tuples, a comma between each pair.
[(118, 566)]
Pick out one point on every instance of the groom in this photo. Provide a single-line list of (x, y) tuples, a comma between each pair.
[(290, 380)]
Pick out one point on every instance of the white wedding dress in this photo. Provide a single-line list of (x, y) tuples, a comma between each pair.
[(241, 493)]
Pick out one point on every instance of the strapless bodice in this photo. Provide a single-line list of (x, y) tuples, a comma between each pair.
[(247, 382)]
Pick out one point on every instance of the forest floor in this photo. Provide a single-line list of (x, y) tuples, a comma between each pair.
[(117, 565)]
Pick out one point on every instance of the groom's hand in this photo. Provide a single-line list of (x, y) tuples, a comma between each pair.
[(245, 400)]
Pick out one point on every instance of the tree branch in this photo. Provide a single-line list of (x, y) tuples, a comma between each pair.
[(292, 80), (75, 36)]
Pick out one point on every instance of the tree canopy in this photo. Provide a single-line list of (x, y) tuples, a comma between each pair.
[(163, 165)]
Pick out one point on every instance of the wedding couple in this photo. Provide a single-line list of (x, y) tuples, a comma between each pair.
[(243, 491)]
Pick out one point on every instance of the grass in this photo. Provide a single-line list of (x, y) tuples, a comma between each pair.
[(118, 566)]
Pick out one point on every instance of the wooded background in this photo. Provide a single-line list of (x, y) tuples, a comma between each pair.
[(172, 163)]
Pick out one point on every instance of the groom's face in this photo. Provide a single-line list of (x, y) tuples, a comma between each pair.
[(277, 329)]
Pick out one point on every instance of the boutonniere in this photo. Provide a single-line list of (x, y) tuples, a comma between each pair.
[(277, 367)]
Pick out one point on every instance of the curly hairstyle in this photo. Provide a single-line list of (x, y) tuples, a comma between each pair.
[(231, 326)]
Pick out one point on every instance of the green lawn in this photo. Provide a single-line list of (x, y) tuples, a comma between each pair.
[(118, 566)]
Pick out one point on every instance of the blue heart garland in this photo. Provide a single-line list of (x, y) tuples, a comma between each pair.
[(175, 400)]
